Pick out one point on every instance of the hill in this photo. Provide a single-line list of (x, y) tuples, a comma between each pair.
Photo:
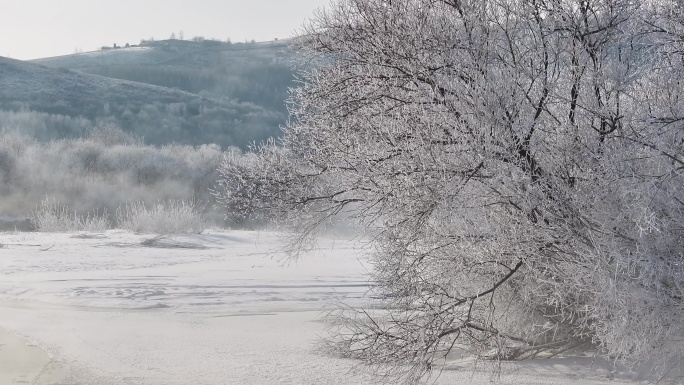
[(174, 52), (251, 79), (53, 103)]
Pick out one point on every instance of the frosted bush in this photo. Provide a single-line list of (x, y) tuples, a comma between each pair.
[(170, 217), (93, 222), (52, 216)]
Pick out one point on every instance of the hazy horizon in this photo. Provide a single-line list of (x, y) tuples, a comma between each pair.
[(44, 28)]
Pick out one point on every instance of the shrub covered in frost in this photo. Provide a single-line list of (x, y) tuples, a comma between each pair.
[(169, 217), (52, 216)]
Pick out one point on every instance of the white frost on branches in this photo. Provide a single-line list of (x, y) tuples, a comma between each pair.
[(519, 165)]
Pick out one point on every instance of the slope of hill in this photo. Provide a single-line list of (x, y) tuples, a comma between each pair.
[(252, 74), (56, 102), (175, 52), (128, 55)]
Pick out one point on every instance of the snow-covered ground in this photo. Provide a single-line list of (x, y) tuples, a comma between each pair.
[(222, 307)]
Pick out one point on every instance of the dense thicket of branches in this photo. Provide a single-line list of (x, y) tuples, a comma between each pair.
[(518, 163)]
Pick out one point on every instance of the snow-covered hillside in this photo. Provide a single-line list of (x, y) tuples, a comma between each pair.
[(52, 103), (223, 307), (173, 52), (25, 82)]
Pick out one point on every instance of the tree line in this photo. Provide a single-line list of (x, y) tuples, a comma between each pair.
[(105, 169)]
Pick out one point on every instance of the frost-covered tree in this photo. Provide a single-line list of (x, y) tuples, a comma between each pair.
[(518, 165)]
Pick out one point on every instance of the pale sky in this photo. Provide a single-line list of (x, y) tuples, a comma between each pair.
[(31, 29)]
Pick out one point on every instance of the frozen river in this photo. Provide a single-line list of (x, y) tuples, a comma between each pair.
[(218, 308)]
